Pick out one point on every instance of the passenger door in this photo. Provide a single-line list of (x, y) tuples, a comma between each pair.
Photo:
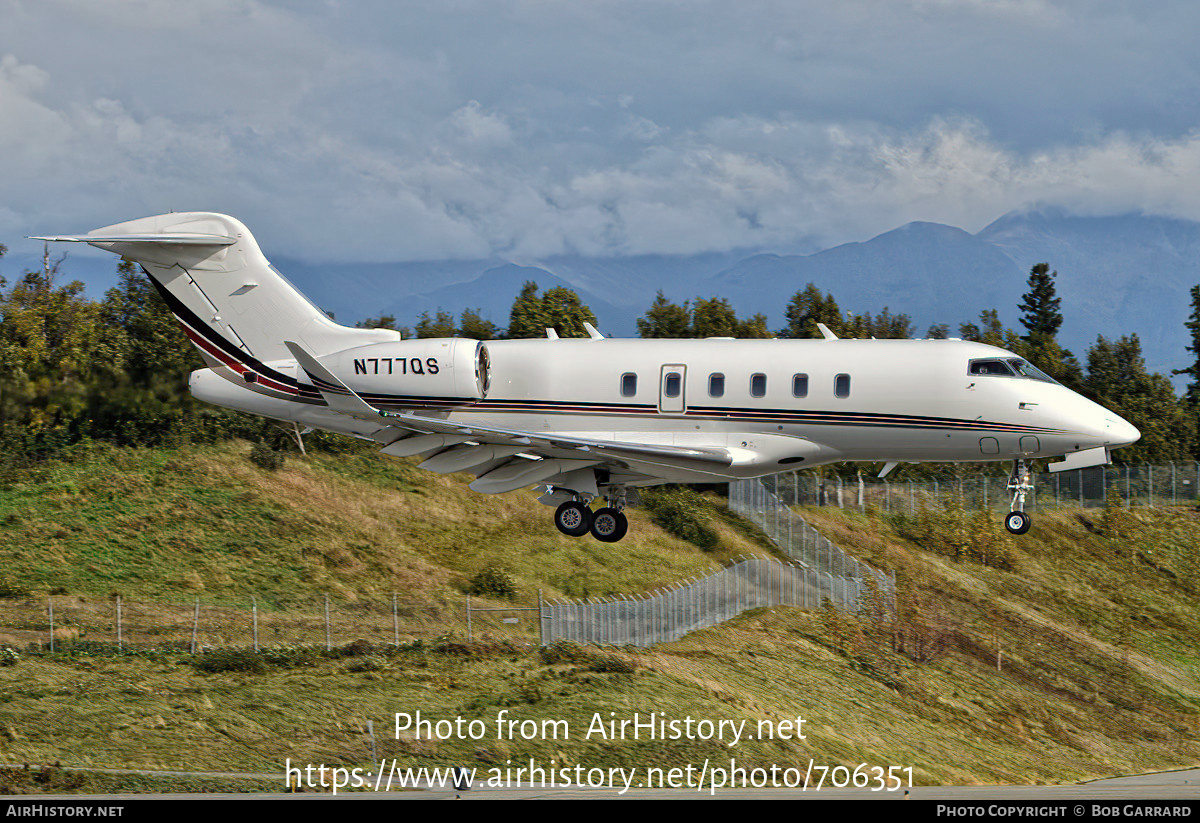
[(671, 388)]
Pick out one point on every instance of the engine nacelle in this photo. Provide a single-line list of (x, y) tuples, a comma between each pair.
[(450, 368)]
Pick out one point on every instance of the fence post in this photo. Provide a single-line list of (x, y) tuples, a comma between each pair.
[(541, 621), (120, 634), (395, 622), (50, 607), (328, 634), (195, 624)]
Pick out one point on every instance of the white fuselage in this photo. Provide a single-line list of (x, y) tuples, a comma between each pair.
[(776, 405)]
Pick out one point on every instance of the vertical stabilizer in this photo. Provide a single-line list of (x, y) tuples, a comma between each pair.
[(233, 303)]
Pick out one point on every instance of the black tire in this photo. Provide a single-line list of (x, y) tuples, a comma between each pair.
[(609, 525), (1017, 522), (573, 518)]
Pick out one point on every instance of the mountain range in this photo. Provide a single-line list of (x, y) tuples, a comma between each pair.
[(1117, 275)]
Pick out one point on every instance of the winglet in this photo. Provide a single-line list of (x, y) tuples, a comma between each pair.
[(825, 332), (592, 331), (337, 394)]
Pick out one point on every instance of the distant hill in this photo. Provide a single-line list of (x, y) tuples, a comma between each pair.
[(1117, 275)]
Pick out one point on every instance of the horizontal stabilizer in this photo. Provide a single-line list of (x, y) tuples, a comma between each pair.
[(171, 238)]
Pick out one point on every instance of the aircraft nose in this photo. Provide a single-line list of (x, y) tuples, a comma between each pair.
[(1120, 431)]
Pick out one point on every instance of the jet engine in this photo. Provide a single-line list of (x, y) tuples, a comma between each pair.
[(450, 368)]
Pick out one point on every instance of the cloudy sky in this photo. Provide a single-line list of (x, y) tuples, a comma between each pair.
[(363, 130)]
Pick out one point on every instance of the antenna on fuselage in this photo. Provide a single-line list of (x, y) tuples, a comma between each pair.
[(825, 332)]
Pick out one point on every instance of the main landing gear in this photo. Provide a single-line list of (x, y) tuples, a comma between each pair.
[(608, 525), (1017, 521)]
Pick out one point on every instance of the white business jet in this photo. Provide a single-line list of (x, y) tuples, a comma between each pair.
[(597, 418)]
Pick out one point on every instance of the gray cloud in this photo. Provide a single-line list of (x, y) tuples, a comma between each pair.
[(386, 131)]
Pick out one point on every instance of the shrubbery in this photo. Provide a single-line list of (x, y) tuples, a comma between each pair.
[(683, 513), (493, 581)]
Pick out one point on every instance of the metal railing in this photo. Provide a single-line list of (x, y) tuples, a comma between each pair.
[(819, 571), (1137, 484), (670, 613)]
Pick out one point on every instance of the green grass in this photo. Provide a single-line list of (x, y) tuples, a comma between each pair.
[(1093, 617), (171, 524)]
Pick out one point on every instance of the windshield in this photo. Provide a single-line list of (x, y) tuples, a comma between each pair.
[(1008, 367)]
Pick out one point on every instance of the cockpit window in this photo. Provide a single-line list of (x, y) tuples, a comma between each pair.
[(1009, 367), (1027, 369), (990, 367)]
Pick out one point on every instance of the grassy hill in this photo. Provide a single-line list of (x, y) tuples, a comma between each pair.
[(1066, 654)]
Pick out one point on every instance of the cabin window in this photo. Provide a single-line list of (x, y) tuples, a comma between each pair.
[(799, 385), (628, 384), (716, 385), (758, 385), (671, 386), (841, 385)]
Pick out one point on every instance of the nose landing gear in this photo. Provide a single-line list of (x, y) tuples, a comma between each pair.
[(1017, 521)]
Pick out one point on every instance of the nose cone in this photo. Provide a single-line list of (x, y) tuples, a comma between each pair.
[(1120, 432)]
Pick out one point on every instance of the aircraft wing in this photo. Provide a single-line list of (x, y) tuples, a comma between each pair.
[(560, 453)]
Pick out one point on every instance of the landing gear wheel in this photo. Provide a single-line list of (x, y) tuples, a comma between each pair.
[(1017, 522), (573, 518), (609, 525)]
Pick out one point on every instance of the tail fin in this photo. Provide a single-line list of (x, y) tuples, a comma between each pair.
[(216, 280)]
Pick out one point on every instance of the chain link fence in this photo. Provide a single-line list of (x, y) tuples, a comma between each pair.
[(819, 571), (1137, 484), (670, 613), (64, 621)]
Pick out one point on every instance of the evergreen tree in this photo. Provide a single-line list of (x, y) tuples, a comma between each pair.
[(1192, 396), (665, 319), (565, 313), (806, 309), (528, 316), (1117, 379), (713, 318), (474, 327), (440, 326), (52, 351), (1042, 319), (559, 308), (990, 330), (883, 326), (754, 328), (1040, 305)]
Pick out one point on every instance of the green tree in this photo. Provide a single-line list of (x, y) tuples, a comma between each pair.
[(1039, 306), (882, 326), (806, 309), (665, 319), (990, 330), (566, 313), (528, 315), (440, 326), (53, 350), (473, 326), (1192, 396), (1117, 379), (754, 328), (559, 308), (713, 318)]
